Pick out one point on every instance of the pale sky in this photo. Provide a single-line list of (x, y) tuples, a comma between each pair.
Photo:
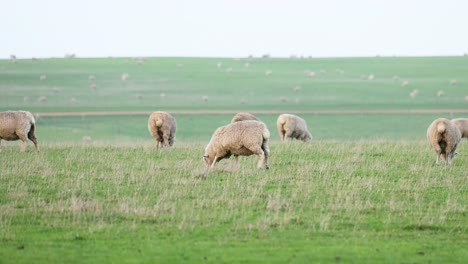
[(216, 28)]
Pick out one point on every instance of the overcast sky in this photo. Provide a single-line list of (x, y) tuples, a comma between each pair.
[(237, 28)]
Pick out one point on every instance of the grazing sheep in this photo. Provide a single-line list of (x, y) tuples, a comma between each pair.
[(405, 83), (162, 126), (242, 116), (42, 99), (16, 125), (462, 124), (43, 77), (440, 93), (243, 138), (292, 126), (414, 93), (444, 137), (124, 76), (453, 82)]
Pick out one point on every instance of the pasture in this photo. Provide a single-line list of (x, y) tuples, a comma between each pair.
[(365, 190)]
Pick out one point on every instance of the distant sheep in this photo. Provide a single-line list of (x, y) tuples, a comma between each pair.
[(42, 99), (16, 125), (462, 124), (405, 83), (243, 138), (43, 77), (414, 93), (162, 126), (242, 116), (292, 126), (453, 82), (444, 137), (124, 76)]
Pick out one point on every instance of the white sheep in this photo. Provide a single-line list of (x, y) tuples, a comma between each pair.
[(292, 126), (444, 137), (414, 93), (16, 125), (242, 116), (243, 138), (162, 126), (462, 124)]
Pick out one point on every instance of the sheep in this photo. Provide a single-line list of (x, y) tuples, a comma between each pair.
[(16, 125), (444, 137), (242, 116), (162, 126), (462, 124), (243, 138), (405, 83), (292, 126), (414, 93)]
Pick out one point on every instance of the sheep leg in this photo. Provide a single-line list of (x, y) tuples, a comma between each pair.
[(0, 144), (24, 144), (214, 162), (23, 138), (236, 162), (261, 161)]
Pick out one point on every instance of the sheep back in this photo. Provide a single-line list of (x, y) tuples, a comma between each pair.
[(162, 126), (462, 124), (242, 116), (292, 126)]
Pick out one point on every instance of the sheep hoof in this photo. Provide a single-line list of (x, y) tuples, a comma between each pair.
[(266, 167)]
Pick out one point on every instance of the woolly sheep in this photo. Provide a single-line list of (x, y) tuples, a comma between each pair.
[(292, 126), (243, 138), (462, 124), (16, 125), (444, 137), (242, 116), (162, 126)]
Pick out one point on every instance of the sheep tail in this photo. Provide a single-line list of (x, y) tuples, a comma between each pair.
[(31, 134), (441, 128), (158, 122)]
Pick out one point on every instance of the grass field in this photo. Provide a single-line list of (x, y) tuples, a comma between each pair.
[(365, 190), (337, 84), (325, 202)]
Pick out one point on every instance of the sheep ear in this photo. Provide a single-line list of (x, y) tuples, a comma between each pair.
[(205, 156)]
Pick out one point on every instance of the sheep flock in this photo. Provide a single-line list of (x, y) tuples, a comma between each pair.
[(245, 135)]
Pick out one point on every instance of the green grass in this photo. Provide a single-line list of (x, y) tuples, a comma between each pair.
[(185, 80), (325, 202), (365, 190)]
